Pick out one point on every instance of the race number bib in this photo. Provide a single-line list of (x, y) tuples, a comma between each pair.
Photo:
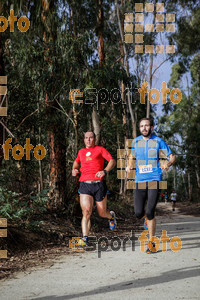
[(145, 169)]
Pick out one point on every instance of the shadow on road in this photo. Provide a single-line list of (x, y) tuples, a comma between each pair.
[(173, 275)]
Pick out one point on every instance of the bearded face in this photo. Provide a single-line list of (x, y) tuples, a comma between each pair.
[(145, 128)]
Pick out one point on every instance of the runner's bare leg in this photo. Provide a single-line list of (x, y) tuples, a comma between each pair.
[(86, 202), (102, 208), (151, 227)]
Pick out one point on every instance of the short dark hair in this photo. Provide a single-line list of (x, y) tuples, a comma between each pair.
[(147, 119), (90, 131)]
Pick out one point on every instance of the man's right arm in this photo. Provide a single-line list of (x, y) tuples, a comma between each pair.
[(172, 160), (130, 165), (131, 158), (75, 168)]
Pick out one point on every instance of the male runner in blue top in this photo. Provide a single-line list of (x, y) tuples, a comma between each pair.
[(147, 149)]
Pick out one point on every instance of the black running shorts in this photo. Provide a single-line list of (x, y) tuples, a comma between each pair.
[(142, 196), (97, 190)]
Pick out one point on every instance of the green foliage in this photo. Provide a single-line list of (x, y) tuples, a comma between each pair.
[(59, 53), (177, 72), (188, 35), (195, 67), (13, 207)]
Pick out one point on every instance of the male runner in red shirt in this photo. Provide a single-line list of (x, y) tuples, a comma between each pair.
[(92, 184)]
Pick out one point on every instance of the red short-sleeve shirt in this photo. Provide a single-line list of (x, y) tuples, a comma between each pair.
[(92, 161)]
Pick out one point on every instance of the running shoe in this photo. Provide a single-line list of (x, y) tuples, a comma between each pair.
[(145, 224), (112, 222), (82, 243), (151, 248)]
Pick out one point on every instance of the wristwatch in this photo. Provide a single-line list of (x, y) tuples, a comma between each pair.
[(105, 172)]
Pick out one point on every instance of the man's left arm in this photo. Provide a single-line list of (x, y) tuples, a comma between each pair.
[(111, 164), (172, 160)]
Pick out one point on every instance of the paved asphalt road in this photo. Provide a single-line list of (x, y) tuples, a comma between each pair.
[(119, 274)]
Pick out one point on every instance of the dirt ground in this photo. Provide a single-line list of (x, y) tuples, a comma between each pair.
[(127, 273), (28, 248)]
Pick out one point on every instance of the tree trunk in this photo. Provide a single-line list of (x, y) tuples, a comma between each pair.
[(150, 84), (75, 116), (189, 188), (1, 97), (100, 27), (175, 177), (57, 173), (126, 66), (57, 165), (2, 73), (96, 125), (40, 183), (150, 70), (184, 183), (101, 54), (198, 177)]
